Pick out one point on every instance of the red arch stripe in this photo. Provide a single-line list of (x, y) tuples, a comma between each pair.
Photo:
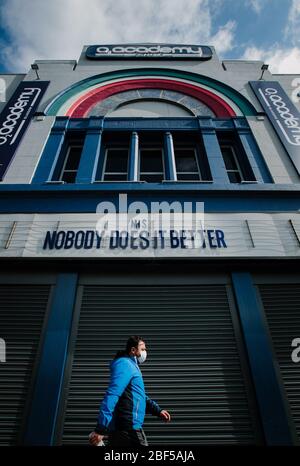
[(83, 105)]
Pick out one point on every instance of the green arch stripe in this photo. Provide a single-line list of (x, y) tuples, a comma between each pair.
[(244, 105)]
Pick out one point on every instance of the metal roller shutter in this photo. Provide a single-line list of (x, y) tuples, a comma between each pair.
[(282, 308), (193, 367), (22, 311)]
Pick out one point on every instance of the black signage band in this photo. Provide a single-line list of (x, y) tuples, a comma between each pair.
[(153, 51), (283, 115), (15, 118)]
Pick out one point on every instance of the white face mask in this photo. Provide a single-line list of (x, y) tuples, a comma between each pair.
[(142, 358)]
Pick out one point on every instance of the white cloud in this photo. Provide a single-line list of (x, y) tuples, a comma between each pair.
[(256, 5), (292, 30), (57, 29), (223, 39), (280, 60)]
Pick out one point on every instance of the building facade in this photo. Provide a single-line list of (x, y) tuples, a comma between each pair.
[(151, 129)]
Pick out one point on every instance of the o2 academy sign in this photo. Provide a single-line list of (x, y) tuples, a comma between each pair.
[(153, 51), (16, 117), (283, 115)]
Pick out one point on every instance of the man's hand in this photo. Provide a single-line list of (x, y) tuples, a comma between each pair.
[(95, 438), (165, 416)]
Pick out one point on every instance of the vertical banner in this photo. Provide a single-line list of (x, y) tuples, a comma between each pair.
[(15, 118), (283, 115)]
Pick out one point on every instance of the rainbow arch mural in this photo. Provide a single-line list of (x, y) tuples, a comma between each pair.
[(77, 100)]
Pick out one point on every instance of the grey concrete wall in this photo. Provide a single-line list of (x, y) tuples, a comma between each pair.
[(277, 160), (29, 152)]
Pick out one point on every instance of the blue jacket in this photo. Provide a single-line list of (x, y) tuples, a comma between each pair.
[(125, 403)]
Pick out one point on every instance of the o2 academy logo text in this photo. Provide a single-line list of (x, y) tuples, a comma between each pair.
[(15, 118), (148, 50), (288, 122), (283, 115), (17, 115)]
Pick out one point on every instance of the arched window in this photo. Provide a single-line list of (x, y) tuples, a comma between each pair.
[(150, 103), (151, 109)]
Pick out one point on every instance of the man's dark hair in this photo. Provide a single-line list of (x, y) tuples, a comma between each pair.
[(133, 341)]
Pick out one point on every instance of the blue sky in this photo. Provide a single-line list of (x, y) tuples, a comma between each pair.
[(266, 30)]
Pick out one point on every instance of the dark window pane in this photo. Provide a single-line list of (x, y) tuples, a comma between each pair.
[(228, 157), (69, 177), (114, 177), (151, 160), (152, 178), (116, 160), (234, 177), (74, 154), (185, 160), (188, 176)]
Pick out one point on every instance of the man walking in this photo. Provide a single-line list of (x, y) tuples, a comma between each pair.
[(125, 403)]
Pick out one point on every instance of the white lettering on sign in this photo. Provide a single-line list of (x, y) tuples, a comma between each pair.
[(12, 125), (152, 50), (286, 120)]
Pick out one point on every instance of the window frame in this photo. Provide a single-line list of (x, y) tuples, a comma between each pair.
[(163, 173), (236, 160), (193, 140), (106, 149), (196, 154), (66, 159), (189, 143), (245, 170)]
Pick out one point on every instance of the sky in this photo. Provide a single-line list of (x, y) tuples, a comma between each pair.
[(267, 30)]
